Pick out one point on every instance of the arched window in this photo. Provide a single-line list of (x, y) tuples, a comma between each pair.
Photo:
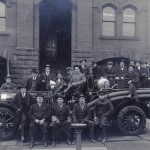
[(109, 17), (2, 16), (129, 21)]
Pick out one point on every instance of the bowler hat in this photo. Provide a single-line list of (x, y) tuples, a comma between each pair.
[(58, 72), (143, 62), (122, 60), (81, 95), (34, 70), (47, 65), (22, 85), (69, 69), (8, 76), (39, 94), (82, 60), (59, 96), (77, 66), (93, 62)]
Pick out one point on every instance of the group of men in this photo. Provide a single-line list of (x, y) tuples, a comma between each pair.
[(59, 117)]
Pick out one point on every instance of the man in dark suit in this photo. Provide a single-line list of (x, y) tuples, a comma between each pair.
[(121, 70), (23, 101), (33, 83), (109, 70), (61, 119), (45, 78), (84, 69), (103, 110), (133, 82), (82, 114), (40, 116)]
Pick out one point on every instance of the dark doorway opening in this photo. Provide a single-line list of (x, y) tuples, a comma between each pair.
[(55, 34)]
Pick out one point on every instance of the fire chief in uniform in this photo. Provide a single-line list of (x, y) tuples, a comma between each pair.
[(39, 115)]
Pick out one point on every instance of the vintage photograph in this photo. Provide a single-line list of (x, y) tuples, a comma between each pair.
[(75, 74)]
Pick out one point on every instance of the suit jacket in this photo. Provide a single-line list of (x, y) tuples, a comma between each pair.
[(62, 113), (38, 84), (40, 112), (103, 108), (18, 100), (134, 77), (8, 86), (120, 72), (109, 73), (80, 114), (97, 72), (45, 80)]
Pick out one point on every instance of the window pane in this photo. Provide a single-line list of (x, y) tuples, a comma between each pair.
[(128, 15), (129, 29), (2, 9), (2, 24), (108, 29), (108, 14)]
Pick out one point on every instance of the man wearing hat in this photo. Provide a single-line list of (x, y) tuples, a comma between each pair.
[(33, 83), (8, 86), (133, 82), (103, 110), (137, 67), (45, 78), (69, 71), (143, 75), (78, 80), (61, 119), (84, 69), (121, 70), (82, 114), (109, 70), (40, 116), (23, 101), (97, 72)]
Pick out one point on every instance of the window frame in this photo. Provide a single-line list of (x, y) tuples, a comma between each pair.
[(114, 22), (3, 17), (133, 23)]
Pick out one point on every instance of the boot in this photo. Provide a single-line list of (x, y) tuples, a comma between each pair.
[(53, 143)]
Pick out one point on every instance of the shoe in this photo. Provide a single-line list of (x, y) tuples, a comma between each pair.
[(73, 142), (99, 138), (45, 144), (31, 145), (92, 140), (68, 142), (104, 140), (53, 143)]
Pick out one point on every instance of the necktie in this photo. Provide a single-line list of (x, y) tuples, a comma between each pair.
[(82, 106)]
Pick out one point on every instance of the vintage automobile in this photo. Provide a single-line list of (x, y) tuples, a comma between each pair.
[(130, 116)]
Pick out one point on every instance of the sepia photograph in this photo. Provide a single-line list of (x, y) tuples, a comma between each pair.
[(75, 74)]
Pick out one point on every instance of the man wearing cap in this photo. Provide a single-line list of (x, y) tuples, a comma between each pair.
[(103, 110), (8, 86), (23, 100), (137, 67), (84, 69), (143, 75), (133, 82), (97, 72), (33, 83), (121, 70), (45, 78), (40, 116), (82, 114), (67, 78), (132, 62), (109, 70), (61, 119), (78, 80)]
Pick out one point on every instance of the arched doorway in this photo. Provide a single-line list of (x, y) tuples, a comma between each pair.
[(55, 33)]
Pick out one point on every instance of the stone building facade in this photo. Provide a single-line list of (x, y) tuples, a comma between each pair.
[(100, 29)]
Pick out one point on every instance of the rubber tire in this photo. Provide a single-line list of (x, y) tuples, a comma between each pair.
[(11, 134), (121, 116)]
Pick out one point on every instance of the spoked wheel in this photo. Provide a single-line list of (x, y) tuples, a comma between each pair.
[(131, 120), (6, 123)]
